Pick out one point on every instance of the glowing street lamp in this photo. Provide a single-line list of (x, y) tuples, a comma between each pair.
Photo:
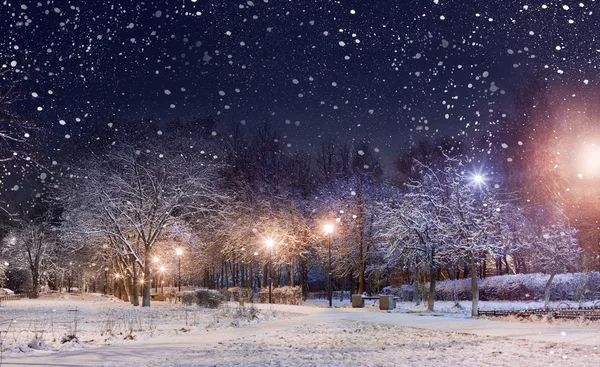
[(477, 179), (156, 260), (162, 282), (270, 245), (179, 253), (106, 286), (328, 231)]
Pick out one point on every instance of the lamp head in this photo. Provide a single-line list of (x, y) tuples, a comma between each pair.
[(328, 228)]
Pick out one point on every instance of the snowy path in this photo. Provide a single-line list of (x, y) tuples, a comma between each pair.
[(166, 350)]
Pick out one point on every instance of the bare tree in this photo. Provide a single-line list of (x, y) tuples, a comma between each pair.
[(552, 247), (133, 196), (32, 247)]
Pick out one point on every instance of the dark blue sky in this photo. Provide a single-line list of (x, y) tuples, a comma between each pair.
[(381, 71)]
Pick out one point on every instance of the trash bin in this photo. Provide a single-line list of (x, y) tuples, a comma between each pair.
[(387, 302), (357, 301)]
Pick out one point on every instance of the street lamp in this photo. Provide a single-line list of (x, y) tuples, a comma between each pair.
[(106, 286), (162, 282), (270, 244), (155, 277), (179, 252), (328, 231)]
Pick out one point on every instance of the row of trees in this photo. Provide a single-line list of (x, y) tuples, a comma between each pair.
[(123, 194)]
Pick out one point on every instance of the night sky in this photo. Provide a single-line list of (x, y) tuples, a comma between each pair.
[(383, 71)]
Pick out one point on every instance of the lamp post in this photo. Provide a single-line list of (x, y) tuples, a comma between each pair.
[(328, 230), (477, 180), (155, 277), (106, 286), (270, 244), (179, 252), (162, 282)]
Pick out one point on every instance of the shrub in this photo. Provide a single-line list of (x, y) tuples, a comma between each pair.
[(282, 295), (208, 298), (201, 297), (247, 294), (520, 287), (188, 298)]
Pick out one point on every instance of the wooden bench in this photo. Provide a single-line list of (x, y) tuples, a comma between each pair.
[(386, 302)]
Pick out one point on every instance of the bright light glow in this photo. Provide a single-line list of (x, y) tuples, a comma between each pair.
[(162, 269), (589, 161), (478, 179), (269, 243), (328, 228), (155, 259), (179, 252), (117, 276)]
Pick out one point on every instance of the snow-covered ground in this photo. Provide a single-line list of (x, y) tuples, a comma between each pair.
[(174, 335), (63, 321)]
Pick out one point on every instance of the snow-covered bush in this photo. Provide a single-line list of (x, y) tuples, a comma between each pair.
[(208, 298), (283, 295), (519, 287), (201, 297), (405, 292), (188, 298)]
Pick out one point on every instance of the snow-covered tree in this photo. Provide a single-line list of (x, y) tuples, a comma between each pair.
[(553, 248), (133, 196), (475, 218), (32, 247)]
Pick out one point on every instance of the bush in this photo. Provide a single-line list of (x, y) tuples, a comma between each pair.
[(208, 298), (201, 297), (282, 295), (520, 287), (188, 298), (406, 292)]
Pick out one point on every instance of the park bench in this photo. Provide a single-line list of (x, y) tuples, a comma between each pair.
[(386, 302)]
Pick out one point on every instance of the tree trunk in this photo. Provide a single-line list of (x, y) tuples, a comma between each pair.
[(35, 278), (455, 288), (547, 290), (474, 288), (292, 274), (147, 277), (361, 266), (416, 289), (506, 266), (264, 276), (134, 288), (432, 282)]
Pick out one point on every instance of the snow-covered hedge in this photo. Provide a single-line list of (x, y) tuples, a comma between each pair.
[(283, 295), (519, 287), (202, 297)]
